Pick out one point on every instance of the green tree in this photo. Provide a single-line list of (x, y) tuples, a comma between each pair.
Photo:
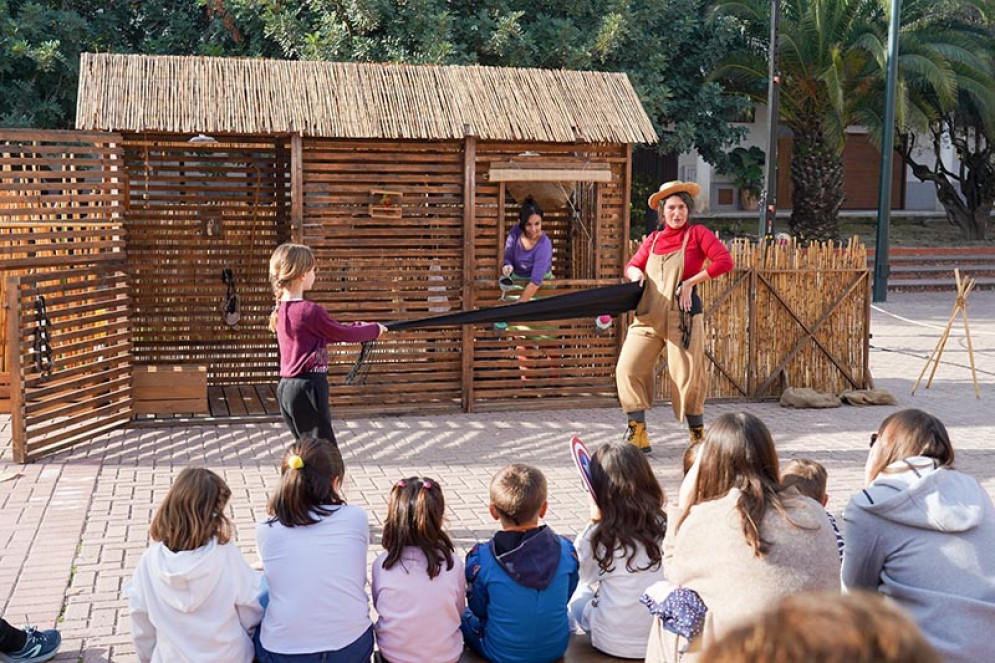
[(832, 71), (41, 40), (823, 67), (963, 118), (665, 47)]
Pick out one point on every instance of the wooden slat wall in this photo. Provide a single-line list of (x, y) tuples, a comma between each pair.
[(61, 195), (380, 269), (566, 363), (89, 389), (176, 190)]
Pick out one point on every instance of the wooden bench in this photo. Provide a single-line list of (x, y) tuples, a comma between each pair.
[(578, 651), (170, 389)]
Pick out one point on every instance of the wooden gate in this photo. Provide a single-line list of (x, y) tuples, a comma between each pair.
[(787, 316), (65, 348), (70, 357)]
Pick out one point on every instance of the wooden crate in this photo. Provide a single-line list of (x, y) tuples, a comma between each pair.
[(170, 389)]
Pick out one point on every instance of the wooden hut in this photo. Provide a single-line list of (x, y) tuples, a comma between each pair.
[(403, 179), (126, 242)]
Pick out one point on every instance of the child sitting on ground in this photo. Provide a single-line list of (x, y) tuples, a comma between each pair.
[(810, 478), (519, 581), (313, 547), (193, 596), (418, 588), (620, 551)]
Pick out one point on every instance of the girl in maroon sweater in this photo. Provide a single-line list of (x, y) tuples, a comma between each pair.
[(303, 331)]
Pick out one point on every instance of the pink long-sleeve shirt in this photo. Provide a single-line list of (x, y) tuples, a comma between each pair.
[(304, 329), (702, 245)]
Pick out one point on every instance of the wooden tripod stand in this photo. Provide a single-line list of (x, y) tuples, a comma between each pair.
[(964, 288)]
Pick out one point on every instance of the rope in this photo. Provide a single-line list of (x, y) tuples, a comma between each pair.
[(924, 324), (361, 368)]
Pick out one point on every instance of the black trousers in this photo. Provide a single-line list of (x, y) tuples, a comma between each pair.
[(304, 406), (11, 639)]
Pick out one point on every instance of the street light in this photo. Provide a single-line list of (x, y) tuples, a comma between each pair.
[(768, 200), (887, 148)]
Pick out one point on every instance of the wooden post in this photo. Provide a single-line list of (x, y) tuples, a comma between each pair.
[(868, 380), (469, 263), (500, 228), (623, 247), (282, 161), (17, 433), (296, 188), (751, 349)]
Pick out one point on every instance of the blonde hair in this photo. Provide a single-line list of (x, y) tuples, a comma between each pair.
[(193, 511), (518, 492), (808, 476), (288, 263)]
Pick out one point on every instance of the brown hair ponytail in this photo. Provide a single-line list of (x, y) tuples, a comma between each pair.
[(415, 516)]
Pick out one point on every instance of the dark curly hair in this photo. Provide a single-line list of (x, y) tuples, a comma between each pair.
[(632, 507)]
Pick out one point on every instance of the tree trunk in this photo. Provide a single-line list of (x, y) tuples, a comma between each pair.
[(817, 181)]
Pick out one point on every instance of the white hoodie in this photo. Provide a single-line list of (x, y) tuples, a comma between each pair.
[(194, 605), (925, 537)]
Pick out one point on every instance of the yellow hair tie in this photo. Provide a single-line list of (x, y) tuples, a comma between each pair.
[(295, 462)]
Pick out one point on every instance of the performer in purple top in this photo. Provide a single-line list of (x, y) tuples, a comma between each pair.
[(303, 331), (528, 252)]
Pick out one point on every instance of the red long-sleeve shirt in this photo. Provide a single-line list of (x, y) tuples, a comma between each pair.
[(304, 329), (702, 245)]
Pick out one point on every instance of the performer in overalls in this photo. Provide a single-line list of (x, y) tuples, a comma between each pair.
[(668, 318)]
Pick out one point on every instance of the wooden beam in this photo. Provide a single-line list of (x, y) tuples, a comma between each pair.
[(513, 172), (623, 245), (500, 229), (17, 428), (469, 262), (297, 188)]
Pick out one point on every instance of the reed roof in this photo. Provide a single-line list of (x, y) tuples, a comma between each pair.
[(192, 94)]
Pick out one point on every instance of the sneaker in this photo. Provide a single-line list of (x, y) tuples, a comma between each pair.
[(40, 646), (636, 434)]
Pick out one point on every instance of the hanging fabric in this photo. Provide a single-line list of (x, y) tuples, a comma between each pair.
[(607, 300)]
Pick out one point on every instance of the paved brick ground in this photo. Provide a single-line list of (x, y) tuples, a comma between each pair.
[(73, 526)]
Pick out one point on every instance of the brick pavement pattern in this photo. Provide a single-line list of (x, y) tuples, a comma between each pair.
[(73, 526)]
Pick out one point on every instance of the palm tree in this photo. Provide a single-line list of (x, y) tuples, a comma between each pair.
[(832, 63)]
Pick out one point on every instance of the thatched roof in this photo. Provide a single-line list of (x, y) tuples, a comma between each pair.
[(134, 93)]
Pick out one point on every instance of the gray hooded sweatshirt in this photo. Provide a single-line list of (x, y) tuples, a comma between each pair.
[(925, 537)]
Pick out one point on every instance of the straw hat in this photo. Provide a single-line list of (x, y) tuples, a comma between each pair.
[(670, 188)]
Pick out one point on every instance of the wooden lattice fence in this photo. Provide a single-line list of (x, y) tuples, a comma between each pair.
[(787, 316), (194, 210), (63, 245)]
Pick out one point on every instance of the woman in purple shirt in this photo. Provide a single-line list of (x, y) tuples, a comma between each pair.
[(528, 252)]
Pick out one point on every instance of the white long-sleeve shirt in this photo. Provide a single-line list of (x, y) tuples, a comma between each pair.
[(619, 623), (317, 582)]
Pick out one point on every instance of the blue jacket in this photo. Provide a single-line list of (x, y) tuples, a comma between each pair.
[(520, 597)]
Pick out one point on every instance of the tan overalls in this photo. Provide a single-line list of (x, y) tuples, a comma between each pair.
[(657, 325)]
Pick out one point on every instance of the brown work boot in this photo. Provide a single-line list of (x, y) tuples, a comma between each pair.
[(636, 434)]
